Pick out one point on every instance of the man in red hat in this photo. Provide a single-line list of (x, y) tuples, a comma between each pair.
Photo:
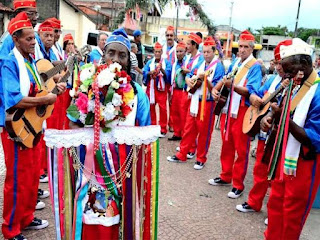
[(260, 171), (20, 82), (247, 80), (296, 175), (169, 53), (57, 49), (46, 41), (156, 73), (193, 58), (200, 118), (28, 6), (179, 94)]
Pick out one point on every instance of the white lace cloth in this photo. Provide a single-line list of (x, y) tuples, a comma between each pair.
[(84, 136)]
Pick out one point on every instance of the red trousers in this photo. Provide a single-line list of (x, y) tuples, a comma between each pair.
[(260, 180), (179, 110), (235, 169), (201, 131), (170, 122), (20, 190), (160, 99), (291, 200)]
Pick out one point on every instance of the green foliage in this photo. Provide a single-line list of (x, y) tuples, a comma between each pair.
[(73, 111), (305, 33), (109, 95), (279, 31), (89, 119), (197, 9)]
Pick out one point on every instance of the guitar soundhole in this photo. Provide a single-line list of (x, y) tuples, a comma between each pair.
[(44, 77), (41, 110), (18, 114)]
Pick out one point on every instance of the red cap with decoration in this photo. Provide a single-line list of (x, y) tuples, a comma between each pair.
[(56, 23), (46, 26), (17, 4), (170, 28), (67, 37), (194, 37), (290, 47), (21, 21), (246, 36), (157, 46), (181, 45), (209, 42)]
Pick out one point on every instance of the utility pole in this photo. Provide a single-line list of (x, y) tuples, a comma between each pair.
[(177, 2), (297, 19), (230, 20)]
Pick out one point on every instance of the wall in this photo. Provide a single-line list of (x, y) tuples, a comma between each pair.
[(75, 23)]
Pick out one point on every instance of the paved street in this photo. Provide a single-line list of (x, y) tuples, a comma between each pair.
[(189, 207)]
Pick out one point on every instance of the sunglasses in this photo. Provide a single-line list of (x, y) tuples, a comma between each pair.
[(169, 35)]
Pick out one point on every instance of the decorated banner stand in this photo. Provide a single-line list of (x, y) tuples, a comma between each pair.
[(111, 193)]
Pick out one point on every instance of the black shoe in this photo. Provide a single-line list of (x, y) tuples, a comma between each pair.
[(170, 129), (18, 237), (175, 138), (245, 207), (198, 165), (43, 193), (235, 193), (37, 224), (217, 182), (174, 158), (44, 178)]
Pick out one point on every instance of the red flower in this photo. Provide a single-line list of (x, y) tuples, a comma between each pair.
[(82, 103), (125, 109)]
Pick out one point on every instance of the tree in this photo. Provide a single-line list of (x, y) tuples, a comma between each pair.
[(279, 31), (305, 33)]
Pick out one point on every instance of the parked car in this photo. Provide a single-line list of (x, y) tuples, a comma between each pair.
[(148, 52)]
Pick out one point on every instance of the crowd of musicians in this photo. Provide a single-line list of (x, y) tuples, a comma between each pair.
[(191, 77)]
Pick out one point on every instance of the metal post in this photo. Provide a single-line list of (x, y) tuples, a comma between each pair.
[(177, 22), (297, 19), (230, 20)]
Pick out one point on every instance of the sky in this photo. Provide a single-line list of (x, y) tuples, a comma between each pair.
[(257, 13)]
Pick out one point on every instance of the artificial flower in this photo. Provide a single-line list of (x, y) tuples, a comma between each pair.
[(105, 77), (128, 96), (82, 103), (87, 72), (72, 92), (116, 100), (115, 67), (109, 112), (115, 85), (82, 117), (123, 80), (125, 109), (91, 106)]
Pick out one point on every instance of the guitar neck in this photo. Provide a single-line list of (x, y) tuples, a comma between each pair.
[(272, 96), (55, 70), (62, 80)]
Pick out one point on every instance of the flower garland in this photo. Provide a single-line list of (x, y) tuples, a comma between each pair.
[(102, 95)]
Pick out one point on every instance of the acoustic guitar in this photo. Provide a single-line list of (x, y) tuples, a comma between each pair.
[(24, 126), (224, 93), (253, 115), (198, 82)]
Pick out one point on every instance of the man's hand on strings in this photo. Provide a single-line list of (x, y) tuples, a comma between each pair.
[(255, 100)]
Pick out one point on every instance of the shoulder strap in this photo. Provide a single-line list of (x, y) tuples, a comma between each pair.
[(303, 90), (244, 71)]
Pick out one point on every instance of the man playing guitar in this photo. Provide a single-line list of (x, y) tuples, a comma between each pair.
[(247, 81), (260, 171), (19, 84), (200, 118)]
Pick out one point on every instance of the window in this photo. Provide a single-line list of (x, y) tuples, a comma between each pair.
[(155, 39)]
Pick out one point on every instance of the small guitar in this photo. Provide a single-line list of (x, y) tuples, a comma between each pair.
[(197, 82), (253, 116), (224, 93), (25, 125)]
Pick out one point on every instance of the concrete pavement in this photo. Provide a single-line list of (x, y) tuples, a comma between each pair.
[(189, 208)]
